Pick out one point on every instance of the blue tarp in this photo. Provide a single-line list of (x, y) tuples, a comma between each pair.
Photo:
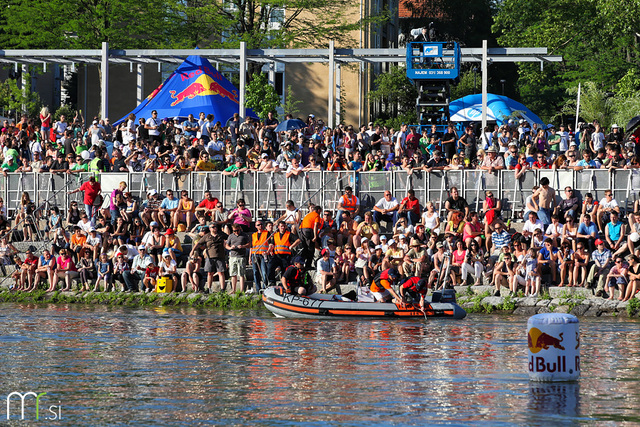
[(193, 87), (469, 109)]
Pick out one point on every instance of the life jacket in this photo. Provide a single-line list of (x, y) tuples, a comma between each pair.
[(381, 282), (93, 167), (349, 204), (297, 279), (259, 243), (310, 219), (282, 243)]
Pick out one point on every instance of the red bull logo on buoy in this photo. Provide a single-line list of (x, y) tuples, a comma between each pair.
[(539, 340)]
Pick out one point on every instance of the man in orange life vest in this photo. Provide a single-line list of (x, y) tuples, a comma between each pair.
[(280, 246), (350, 203), (257, 257), (293, 279), (310, 228), (382, 286)]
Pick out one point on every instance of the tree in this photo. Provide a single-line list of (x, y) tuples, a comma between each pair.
[(270, 23), (396, 95), (17, 99), (466, 85), (596, 39), (261, 96), (594, 104), (291, 103)]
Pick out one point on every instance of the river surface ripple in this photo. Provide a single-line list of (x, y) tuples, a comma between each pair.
[(185, 366)]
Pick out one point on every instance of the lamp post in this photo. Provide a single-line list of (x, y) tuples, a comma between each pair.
[(475, 74), (502, 81)]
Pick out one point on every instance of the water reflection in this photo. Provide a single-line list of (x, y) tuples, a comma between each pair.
[(185, 366)]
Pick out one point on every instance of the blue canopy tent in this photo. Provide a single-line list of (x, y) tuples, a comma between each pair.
[(193, 87), (499, 109)]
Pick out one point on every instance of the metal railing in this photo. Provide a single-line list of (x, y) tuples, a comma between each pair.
[(266, 193)]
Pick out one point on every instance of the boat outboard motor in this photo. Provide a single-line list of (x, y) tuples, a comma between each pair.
[(444, 296)]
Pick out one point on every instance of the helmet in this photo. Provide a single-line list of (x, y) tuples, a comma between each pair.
[(393, 273)]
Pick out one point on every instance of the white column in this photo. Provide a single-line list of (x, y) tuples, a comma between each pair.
[(338, 92), (332, 86), (139, 83), (272, 74), (485, 79), (25, 70), (104, 84), (243, 78)]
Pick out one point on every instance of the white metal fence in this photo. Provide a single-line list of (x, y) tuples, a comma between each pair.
[(267, 193)]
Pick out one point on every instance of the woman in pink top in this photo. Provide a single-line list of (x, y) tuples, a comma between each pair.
[(457, 259), (473, 230), (241, 215), (65, 269)]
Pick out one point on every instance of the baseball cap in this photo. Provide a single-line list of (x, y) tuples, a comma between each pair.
[(298, 260), (391, 242), (92, 229), (152, 192), (9, 157), (599, 242), (169, 232), (439, 245), (165, 253), (324, 252), (378, 247), (141, 247), (154, 224)]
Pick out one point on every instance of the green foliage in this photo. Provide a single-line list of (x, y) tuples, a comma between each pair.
[(633, 306), (597, 45), (65, 110), (466, 85), (261, 96), (14, 98), (291, 103), (263, 23), (594, 103), (629, 85), (508, 304), (396, 95)]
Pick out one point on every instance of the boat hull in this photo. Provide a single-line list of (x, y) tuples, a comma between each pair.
[(321, 306)]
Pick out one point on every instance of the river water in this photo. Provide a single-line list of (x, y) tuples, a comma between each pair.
[(184, 366)]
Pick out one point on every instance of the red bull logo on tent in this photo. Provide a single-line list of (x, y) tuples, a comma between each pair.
[(203, 86)]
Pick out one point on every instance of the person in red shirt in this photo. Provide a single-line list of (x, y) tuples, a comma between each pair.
[(91, 190), (410, 208), (414, 289), (207, 205), (541, 162)]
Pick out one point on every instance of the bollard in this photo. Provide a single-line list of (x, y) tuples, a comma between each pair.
[(554, 347)]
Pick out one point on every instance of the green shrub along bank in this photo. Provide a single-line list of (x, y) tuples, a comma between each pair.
[(213, 300)]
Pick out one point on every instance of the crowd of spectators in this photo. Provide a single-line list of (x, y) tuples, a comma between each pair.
[(134, 241)]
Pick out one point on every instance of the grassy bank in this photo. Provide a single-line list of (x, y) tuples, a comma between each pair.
[(214, 300)]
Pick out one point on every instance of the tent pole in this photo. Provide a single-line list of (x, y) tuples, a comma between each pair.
[(485, 79)]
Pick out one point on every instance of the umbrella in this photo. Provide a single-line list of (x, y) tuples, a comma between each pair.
[(633, 123), (290, 124)]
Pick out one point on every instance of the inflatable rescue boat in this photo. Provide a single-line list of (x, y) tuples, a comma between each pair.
[(324, 306)]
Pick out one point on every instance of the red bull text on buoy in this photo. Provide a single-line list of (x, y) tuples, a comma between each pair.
[(554, 347)]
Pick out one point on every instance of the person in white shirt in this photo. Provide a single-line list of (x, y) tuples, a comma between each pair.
[(153, 126), (386, 209)]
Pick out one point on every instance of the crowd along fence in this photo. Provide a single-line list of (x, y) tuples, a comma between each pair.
[(266, 193)]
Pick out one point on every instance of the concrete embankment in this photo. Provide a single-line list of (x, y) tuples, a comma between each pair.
[(577, 301)]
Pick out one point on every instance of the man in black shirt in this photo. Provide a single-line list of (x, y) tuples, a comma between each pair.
[(270, 124), (60, 165), (437, 162), (456, 203), (449, 143), (119, 165)]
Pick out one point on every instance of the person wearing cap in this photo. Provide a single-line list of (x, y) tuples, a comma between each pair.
[(293, 279), (140, 263), (280, 245), (492, 163), (326, 272), (9, 165), (382, 286), (415, 260), (615, 136), (93, 243), (169, 268), (602, 259), (172, 243), (213, 246)]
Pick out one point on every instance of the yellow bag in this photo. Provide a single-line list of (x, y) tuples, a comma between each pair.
[(182, 228)]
